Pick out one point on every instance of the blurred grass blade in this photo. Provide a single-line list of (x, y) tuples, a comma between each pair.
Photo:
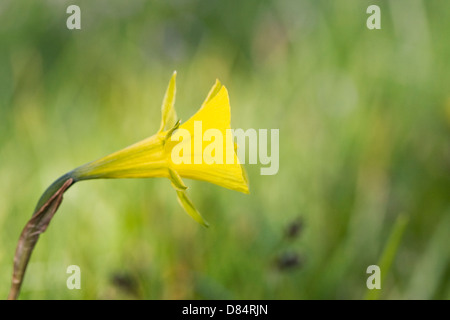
[(388, 255), (30, 234)]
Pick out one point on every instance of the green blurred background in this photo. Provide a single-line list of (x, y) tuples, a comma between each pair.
[(364, 122)]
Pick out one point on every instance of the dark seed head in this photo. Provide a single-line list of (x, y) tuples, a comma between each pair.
[(294, 229), (125, 282), (289, 261)]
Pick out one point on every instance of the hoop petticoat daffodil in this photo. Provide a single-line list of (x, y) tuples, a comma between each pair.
[(152, 157)]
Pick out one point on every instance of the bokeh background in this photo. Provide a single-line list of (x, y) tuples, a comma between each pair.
[(364, 122)]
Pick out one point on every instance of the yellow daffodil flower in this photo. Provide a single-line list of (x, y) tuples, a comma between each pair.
[(169, 154), (152, 157)]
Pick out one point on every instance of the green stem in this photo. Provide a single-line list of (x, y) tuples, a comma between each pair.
[(52, 189)]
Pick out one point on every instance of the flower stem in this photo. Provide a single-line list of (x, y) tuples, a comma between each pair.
[(45, 210)]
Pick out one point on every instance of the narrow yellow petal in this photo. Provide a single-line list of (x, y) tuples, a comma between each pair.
[(169, 116), (188, 206), (177, 183)]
